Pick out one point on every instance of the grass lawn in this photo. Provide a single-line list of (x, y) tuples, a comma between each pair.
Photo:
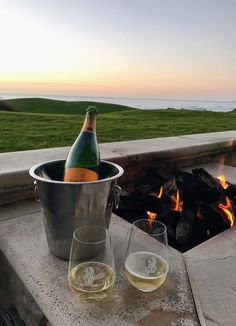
[(42, 123)]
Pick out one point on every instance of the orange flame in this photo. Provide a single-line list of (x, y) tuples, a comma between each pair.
[(151, 216), (224, 184), (177, 203), (158, 194), (227, 210)]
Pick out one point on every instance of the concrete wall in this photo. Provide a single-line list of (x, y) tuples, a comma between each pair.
[(133, 156), (13, 292)]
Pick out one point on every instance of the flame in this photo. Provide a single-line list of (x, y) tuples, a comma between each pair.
[(227, 210), (158, 194), (151, 216), (224, 184), (176, 200)]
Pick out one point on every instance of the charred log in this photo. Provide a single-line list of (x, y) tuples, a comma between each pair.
[(191, 188), (230, 191), (150, 181), (213, 190), (199, 235), (144, 202), (185, 223), (199, 231), (216, 222), (135, 206), (170, 219)]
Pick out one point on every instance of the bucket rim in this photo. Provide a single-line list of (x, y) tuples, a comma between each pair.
[(38, 178)]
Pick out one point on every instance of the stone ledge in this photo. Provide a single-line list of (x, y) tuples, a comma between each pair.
[(22, 161), (23, 243), (211, 267), (16, 184)]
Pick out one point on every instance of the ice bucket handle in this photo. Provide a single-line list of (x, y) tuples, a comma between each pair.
[(36, 195), (116, 192)]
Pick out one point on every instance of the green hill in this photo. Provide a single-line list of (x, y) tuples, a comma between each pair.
[(41, 105), (42, 123)]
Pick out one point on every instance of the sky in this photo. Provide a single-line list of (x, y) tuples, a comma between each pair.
[(183, 49)]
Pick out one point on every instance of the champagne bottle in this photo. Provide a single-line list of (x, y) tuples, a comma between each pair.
[(83, 159)]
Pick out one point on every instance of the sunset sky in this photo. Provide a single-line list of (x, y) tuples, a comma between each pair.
[(182, 49)]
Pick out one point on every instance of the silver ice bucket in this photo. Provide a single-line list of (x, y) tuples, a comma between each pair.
[(68, 205)]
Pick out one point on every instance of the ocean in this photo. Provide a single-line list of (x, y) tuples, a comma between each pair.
[(141, 103)]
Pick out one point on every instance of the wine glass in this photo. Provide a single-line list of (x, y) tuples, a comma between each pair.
[(146, 263), (91, 266)]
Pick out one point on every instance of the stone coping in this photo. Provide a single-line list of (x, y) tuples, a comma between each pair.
[(211, 269), (19, 162), (23, 243), (16, 184)]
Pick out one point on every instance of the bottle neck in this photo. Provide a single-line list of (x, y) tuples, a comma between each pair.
[(90, 122)]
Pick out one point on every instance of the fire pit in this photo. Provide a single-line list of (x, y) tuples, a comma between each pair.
[(194, 206), (175, 188)]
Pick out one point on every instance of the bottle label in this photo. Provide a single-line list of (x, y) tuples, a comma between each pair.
[(80, 175)]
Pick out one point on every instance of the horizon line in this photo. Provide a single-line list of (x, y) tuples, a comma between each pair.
[(30, 95)]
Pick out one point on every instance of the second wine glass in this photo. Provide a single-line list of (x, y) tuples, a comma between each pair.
[(146, 264)]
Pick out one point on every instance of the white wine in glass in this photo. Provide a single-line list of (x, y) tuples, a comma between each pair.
[(146, 264), (91, 267)]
